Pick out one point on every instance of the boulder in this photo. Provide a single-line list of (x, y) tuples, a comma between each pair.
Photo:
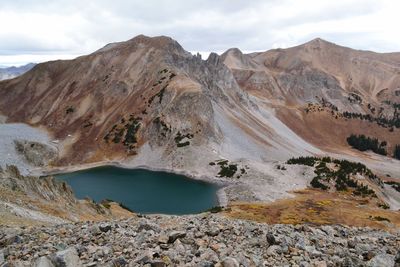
[(163, 239), (43, 262), (119, 262), (271, 239), (229, 262), (174, 235), (274, 250), (213, 231), (382, 260), (66, 258), (105, 227)]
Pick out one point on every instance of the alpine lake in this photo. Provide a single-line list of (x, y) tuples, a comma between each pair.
[(143, 191)]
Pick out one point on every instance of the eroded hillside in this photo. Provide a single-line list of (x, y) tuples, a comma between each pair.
[(148, 102)]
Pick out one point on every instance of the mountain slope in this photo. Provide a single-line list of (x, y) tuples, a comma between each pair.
[(149, 87), (318, 83), (148, 102), (12, 72)]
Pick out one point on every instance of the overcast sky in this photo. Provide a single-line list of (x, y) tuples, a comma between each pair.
[(41, 30)]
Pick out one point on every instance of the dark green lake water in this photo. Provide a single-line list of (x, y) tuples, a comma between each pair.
[(143, 191)]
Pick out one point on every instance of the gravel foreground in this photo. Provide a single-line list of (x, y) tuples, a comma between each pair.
[(196, 240)]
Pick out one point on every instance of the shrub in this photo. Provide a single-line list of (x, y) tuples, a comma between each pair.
[(228, 170), (384, 206), (131, 129), (183, 144), (179, 137), (69, 110)]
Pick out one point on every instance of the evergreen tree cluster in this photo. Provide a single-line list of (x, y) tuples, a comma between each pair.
[(364, 143), (381, 121), (341, 177)]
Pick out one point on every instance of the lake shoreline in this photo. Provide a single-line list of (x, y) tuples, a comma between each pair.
[(222, 198)]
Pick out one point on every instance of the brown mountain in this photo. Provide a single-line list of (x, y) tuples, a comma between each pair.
[(315, 83), (148, 102)]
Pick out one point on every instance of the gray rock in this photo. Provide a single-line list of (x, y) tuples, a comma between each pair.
[(304, 264), (352, 262), (328, 230), (120, 262), (213, 231), (147, 226), (10, 239), (382, 260), (274, 250), (17, 263), (397, 259), (351, 244), (105, 227), (229, 262), (66, 258), (94, 230), (271, 239), (206, 264), (174, 235), (158, 264), (163, 239), (43, 262), (144, 259), (2, 257)]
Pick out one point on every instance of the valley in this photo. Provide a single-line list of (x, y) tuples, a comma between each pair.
[(277, 137)]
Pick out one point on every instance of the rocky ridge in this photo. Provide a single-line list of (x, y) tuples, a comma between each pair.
[(196, 240), (148, 102), (30, 200)]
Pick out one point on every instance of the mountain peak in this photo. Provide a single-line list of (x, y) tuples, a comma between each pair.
[(156, 40), (159, 42), (234, 51), (319, 41)]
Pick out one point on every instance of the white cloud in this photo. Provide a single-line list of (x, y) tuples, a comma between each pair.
[(50, 29)]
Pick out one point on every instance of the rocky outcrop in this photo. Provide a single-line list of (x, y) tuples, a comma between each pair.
[(36, 154), (47, 188), (30, 200), (26, 147), (200, 240)]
